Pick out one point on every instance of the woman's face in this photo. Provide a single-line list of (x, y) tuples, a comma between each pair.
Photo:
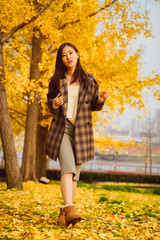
[(69, 57)]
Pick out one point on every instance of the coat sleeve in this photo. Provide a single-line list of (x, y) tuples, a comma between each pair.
[(52, 93), (96, 103)]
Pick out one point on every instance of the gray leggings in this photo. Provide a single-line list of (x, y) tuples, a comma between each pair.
[(66, 152)]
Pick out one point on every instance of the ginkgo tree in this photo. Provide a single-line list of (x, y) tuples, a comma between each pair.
[(10, 23), (102, 31)]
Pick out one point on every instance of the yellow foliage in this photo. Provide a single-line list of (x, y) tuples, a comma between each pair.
[(15, 12), (104, 142), (33, 213), (103, 38)]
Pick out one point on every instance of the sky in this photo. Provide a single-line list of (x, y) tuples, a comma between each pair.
[(150, 58)]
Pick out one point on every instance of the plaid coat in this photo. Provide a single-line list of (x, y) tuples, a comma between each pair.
[(88, 101)]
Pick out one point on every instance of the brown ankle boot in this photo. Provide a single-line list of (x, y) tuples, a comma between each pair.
[(61, 217), (70, 215)]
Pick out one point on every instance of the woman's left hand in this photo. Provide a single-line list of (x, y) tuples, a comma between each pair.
[(103, 95)]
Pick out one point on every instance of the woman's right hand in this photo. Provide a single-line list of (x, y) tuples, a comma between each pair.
[(58, 100)]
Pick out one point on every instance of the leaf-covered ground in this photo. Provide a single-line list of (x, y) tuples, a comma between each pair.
[(32, 214)]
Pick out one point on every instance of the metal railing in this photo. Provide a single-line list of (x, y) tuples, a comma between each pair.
[(107, 166), (98, 166)]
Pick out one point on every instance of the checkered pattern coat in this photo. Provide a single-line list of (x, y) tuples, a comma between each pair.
[(88, 102)]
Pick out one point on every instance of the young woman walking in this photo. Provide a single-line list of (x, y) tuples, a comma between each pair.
[(73, 95)]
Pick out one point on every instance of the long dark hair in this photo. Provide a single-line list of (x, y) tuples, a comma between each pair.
[(60, 69)]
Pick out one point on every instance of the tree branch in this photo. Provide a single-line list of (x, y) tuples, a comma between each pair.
[(21, 25), (17, 121), (90, 15), (15, 111)]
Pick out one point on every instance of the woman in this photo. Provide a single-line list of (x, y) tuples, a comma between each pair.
[(73, 95)]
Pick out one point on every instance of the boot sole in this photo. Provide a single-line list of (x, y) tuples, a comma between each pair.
[(73, 221)]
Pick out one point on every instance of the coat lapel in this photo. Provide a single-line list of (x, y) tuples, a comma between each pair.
[(82, 93), (64, 93)]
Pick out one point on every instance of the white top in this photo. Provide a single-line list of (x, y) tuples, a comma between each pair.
[(73, 93)]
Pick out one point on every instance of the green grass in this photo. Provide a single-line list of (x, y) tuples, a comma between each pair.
[(123, 188), (115, 187)]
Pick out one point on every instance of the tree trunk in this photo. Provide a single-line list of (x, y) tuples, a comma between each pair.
[(41, 156), (29, 150), (14, 179)]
